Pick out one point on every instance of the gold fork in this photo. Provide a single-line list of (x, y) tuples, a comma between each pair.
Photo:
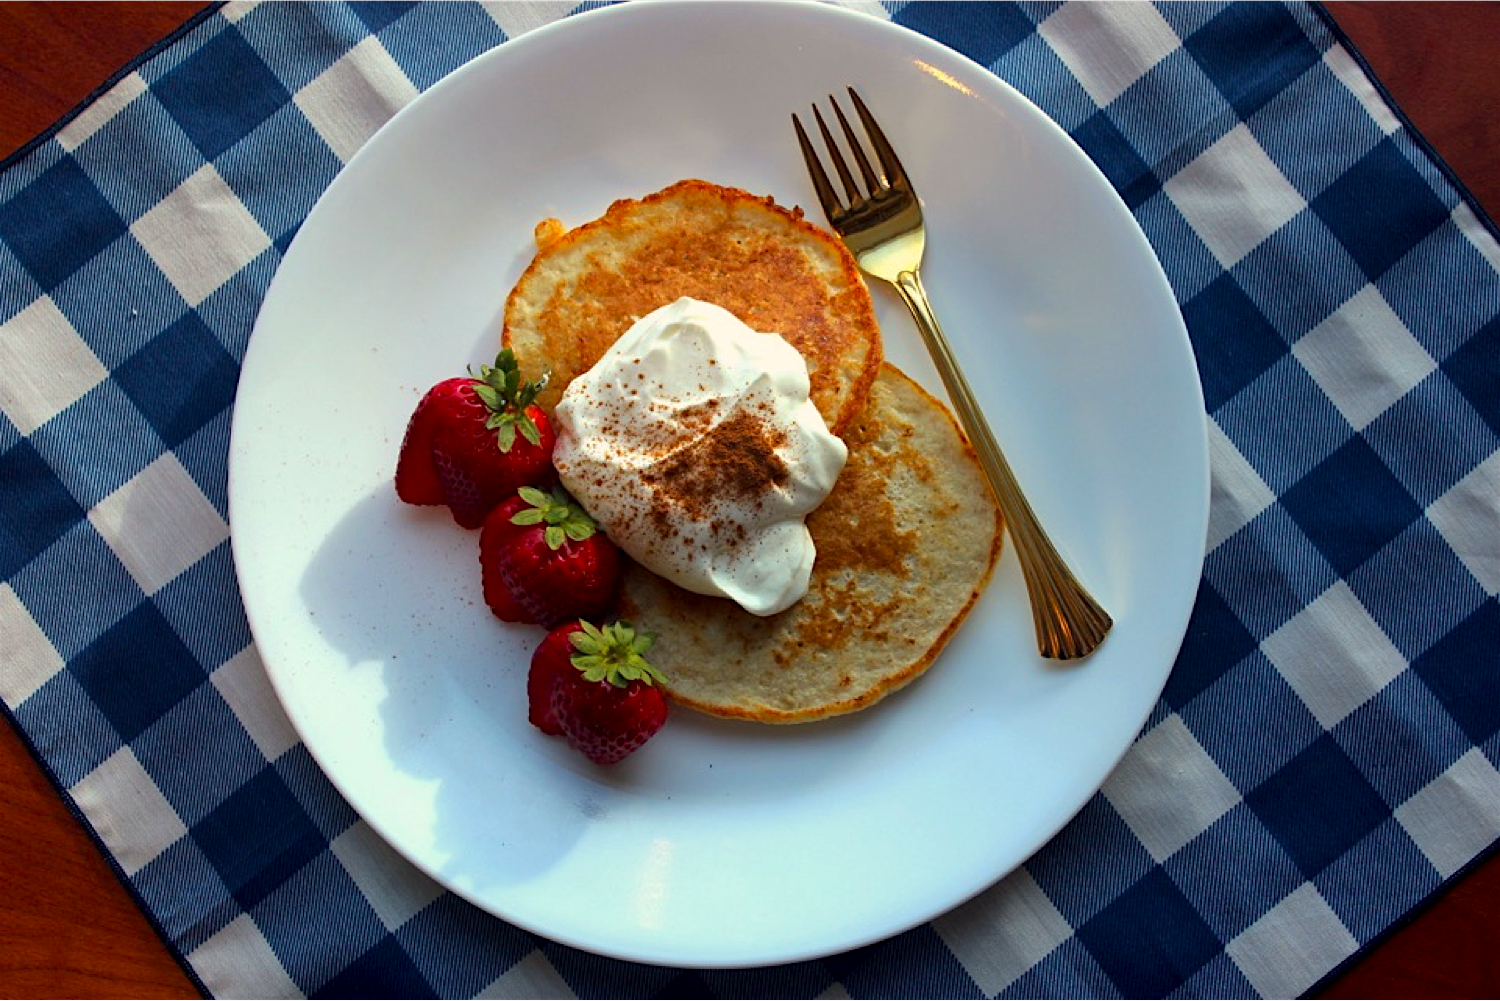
[(883, 229)]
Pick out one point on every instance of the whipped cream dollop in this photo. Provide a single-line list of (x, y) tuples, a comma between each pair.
[(693, 443)]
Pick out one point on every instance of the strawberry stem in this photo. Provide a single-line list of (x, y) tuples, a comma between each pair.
[(614, 653), (508, 396), (564, 517)]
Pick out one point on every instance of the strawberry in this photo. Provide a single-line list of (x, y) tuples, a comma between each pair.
[(594, 687), (552, 657), (472, 441), (416, 476), (552, 558), (493, 535)]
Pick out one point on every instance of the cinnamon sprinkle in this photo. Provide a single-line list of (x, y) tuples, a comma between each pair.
[(737, 460)]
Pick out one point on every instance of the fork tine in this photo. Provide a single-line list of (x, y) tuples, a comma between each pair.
[(851, 191), (894, 173), (821, 184), (872, 182)]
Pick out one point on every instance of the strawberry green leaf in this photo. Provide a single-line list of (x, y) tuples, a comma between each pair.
[(588, 638), (528, 429), (506, 436), (489, 396)]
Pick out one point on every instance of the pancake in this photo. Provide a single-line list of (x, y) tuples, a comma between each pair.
[(906, 542), (764, 263)]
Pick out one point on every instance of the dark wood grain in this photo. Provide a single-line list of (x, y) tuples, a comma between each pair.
[(68, 929), (1441, 61)]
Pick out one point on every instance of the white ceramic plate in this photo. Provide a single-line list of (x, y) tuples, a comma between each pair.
[(718, 844)]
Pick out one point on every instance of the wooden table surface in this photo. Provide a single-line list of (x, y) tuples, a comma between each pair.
[(68, 929)]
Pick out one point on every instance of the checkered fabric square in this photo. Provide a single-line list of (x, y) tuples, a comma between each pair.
[(1326, 753)]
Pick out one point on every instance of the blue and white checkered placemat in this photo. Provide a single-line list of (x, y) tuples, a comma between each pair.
[(1324, 756)]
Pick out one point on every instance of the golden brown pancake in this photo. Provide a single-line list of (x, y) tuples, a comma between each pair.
[(908, 538), (906, 542), (764, 263)]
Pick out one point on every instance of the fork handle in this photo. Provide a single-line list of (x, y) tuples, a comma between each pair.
[(1069, 623)]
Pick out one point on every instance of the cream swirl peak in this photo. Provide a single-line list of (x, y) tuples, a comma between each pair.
[(692, 441)]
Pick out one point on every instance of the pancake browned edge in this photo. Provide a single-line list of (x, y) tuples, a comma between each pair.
[(906, 543), (762, 262)]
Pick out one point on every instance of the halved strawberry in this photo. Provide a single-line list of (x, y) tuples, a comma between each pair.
[(493, 535), (558, 565), (551, 659), (473, 441), (601, 691), (416, 476)]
